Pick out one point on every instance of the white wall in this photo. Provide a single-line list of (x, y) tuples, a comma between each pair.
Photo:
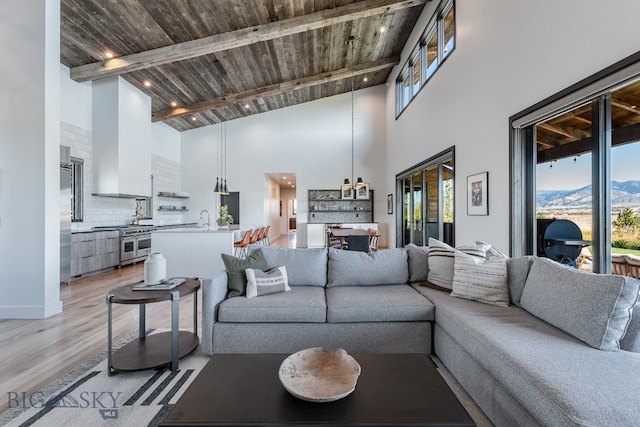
[(312, 140), (508, 56), (29, 159), (75, 101)]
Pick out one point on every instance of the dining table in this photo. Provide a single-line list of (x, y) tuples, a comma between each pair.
[(342, 233)]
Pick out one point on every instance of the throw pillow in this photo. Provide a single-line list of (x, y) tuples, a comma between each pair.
[(266, 282), (480, 280), (418, 262), (237, 278), (595, 308), (441, 260), (631, 340), (352, 268)]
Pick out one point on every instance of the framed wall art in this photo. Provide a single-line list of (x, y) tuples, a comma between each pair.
[(389, 204), (347, 192), (478, 194), (362, 193)]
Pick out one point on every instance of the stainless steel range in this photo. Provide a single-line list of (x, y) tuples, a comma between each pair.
[(135, 243)]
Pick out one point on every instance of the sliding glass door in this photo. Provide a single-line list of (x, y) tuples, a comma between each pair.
[(427, 201), (580, 165)]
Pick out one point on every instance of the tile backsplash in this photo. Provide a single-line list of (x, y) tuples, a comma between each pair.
[(101, 211)]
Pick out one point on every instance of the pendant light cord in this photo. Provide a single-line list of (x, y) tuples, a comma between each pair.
[(352, 115)]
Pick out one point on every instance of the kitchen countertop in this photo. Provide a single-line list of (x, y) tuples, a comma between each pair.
[(120, 227), (199, 229)]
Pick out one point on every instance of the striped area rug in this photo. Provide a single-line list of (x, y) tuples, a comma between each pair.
[(87, 396)]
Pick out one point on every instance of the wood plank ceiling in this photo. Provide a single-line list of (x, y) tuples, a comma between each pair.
[(207, 61), (569, 134)]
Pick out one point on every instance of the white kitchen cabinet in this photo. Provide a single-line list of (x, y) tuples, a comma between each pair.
[(315, 236)]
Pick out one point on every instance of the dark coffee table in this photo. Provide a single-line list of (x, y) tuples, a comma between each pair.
[(244, 390)]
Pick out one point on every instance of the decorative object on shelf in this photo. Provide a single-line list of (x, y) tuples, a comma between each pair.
[(362, 193), (224, 218), (155, 269), (221, 154), (478, 194), (390, 204), (347, 192), (316, 375), (357, 184)]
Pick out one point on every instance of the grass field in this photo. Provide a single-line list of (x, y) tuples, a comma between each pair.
[(625, 251)]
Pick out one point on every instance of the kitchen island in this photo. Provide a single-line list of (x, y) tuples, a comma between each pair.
[(195, 251)]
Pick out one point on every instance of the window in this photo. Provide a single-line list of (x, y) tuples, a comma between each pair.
[(427, 201), (575, 158), (77, 170), (436, 44)]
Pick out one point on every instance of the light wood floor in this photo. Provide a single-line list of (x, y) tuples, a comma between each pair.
[(33, 353)]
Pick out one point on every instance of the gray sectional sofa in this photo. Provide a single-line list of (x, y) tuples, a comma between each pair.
[(565, 370), (351, 300)]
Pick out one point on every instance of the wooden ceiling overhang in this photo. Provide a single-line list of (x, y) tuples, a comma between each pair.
[(205, 62), (569, 134)]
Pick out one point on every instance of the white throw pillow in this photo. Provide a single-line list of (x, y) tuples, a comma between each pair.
[(441, 260), (480, 280), (266, 282)]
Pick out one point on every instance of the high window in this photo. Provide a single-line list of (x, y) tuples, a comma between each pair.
[(436, 44), (575, 159)]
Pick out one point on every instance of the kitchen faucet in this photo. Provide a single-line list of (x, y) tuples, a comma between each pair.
[(208, 217)]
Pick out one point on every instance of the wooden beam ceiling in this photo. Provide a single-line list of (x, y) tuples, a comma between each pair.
[(276, 89), (238, 38)]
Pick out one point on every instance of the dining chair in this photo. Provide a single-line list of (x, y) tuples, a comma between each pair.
[(332, 241), (240, 247), (358, 243), (374, 235)]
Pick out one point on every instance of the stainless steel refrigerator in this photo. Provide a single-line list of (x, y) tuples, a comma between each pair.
[(65, 224)]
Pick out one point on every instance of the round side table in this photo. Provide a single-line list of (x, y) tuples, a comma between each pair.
[(159, 349)]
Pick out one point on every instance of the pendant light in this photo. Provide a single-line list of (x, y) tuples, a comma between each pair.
[(224, 188), (358, 184), (218, 187)]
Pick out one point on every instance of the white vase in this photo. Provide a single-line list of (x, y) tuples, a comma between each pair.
[(155, 269)]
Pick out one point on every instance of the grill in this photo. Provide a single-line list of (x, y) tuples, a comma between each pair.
[(560, 240)]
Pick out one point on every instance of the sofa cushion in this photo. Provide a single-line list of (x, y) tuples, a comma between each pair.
[(562, 381), (480, 280), (384, 267), (441, 260), (385, 303), (236, 267), (305, 266), (517, 272), (266, 282), (301, 304), (631, 340), (595, 308), (418, 262)]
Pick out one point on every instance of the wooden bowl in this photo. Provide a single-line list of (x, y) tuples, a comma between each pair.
[(316, 375)]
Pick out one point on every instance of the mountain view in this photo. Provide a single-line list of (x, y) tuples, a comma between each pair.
[(624, 194)]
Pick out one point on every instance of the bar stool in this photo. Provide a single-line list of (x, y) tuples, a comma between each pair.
[(240, 247), (265, 237)]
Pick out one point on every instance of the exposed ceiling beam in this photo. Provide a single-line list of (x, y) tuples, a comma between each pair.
[(625, 107), (619, 136), (242, 37), (276, 89)]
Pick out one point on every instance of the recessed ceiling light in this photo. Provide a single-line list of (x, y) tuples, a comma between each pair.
[(147, 83), (193, 119), (109, 55), (246, 105), (284, 177), (366, 79), (174, 104), (383, 29)]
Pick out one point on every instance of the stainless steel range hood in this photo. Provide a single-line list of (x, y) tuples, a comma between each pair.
[(121, 139)]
